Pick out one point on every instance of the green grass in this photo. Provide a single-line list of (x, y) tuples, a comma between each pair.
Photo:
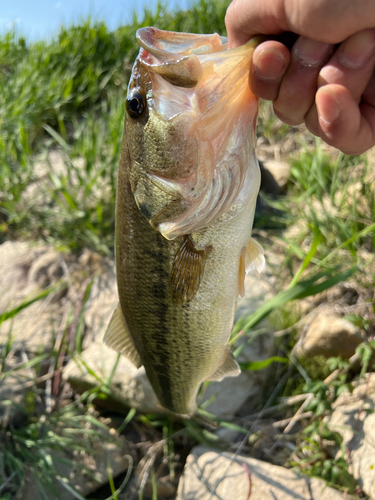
[(64, 99)]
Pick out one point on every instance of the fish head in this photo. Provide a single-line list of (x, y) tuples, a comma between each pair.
[(190, 128)]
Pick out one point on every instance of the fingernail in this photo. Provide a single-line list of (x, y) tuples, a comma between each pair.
[(270, 64), (329, 107), (357, 50), (311, 53)]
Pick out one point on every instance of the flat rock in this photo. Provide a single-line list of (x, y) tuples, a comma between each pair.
[(329, 334), (354, 418), (25, 270), (210, 475), (86, 470)]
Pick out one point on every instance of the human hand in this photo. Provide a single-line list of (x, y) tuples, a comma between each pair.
[(332, 91)]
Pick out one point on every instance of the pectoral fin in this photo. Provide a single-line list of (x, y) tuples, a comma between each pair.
[(187, 271), (118, 338), (228, 368), (254, 256)]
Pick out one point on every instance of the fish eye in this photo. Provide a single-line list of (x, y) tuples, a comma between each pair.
[(135, 104)]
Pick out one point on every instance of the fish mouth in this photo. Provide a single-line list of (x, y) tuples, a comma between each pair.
[(202, 87)]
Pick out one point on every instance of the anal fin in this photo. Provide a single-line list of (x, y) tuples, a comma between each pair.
[(118, 337), (187, 271), (228, 367)]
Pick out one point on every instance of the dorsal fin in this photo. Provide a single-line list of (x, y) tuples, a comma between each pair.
[(118, 337), (187, 271)]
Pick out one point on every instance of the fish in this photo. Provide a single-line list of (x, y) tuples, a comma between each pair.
[(188, 182)]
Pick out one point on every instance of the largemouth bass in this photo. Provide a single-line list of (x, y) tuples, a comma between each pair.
[(187, 187)]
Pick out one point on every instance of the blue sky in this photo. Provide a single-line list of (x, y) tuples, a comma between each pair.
[(41, 18)]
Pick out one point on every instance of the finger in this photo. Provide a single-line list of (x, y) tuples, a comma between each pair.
[(342, 123), (299, 84), (270, 61), (245, 19), (351, 66), (325, 21)]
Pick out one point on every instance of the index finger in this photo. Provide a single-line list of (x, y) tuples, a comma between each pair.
[(245, 19)]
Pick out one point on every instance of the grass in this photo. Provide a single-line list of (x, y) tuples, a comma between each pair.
[(61, 125)]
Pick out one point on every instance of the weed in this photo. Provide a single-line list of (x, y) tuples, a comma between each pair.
[(314, 458)]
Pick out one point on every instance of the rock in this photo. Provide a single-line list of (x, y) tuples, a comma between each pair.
[(354, 418), (275, 176), (164, 488), (85, 470), (231, 476), (129, 386), (25, 270), (329, 335)]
